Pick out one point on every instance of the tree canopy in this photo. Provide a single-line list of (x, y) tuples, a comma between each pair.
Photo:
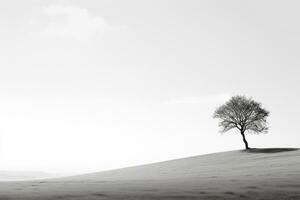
[(242, 113)]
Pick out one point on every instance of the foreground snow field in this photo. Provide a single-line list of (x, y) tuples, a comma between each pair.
[(256, 174)]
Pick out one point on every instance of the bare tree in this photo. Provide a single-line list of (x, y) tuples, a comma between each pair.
[(244, 114)]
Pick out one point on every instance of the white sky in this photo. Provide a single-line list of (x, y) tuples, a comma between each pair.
[(93, 85)]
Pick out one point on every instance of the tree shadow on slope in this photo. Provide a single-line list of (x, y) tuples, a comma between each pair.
[(269, 150)]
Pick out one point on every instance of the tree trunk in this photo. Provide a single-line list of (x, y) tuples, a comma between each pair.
[(244, 140)]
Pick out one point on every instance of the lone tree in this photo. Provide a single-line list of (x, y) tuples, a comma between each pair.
[(244, 114)]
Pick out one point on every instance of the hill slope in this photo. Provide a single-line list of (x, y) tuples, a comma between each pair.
[(258, 174)]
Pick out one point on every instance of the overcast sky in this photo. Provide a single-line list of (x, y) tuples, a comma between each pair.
[(93, 85)]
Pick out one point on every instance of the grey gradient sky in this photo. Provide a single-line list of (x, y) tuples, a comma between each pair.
[(92, 85)]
